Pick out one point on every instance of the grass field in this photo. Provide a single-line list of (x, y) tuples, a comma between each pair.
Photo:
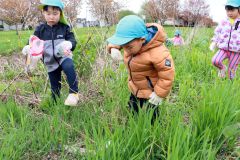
[(200, 120)]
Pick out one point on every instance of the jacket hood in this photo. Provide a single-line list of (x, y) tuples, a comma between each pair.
[(158, 39)]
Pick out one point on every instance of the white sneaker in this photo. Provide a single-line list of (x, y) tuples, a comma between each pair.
[(72, 99), (222, 72)]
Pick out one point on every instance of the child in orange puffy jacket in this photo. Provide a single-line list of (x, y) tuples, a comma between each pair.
[(149, 62)]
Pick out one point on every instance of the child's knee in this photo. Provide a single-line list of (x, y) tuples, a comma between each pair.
[(216, 61), (68, 65)]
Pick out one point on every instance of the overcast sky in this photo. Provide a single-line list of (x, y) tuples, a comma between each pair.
[(217, 11)]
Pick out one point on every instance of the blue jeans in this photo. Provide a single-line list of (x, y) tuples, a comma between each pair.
[(67, 67)]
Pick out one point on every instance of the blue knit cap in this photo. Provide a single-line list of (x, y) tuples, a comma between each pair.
[(128, 28)]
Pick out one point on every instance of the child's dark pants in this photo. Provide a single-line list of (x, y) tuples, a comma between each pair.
[(55, 78), (134, 103)]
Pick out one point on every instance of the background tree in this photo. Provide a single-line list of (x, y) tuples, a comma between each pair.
[(35, 15), (208, 22), (124, 13), (105, 10), (28, 15), (15, 12), (71, 10), (195, 11), (150, 10), (160, 10)]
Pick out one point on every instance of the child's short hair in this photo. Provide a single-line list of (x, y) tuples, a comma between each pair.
[(45, 8), (230, 8)]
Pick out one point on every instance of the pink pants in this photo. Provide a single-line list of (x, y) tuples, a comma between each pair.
[(233, 59)]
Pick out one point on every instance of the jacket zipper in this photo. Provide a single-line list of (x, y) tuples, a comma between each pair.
[(130, 67), (236, 26), (150, 85), (54, 47), (130, 72), (230, 38)]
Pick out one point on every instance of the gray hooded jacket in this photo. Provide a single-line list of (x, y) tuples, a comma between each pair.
[(53, 36)]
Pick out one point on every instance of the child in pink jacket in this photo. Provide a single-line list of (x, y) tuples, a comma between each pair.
[(177, 40), (227, 40)]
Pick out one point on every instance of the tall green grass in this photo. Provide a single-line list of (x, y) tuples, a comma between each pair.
[(197, 121)]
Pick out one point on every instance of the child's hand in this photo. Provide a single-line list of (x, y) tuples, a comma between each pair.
[(212, 46), (64, 48), (116, 54), (155, 99), (67, 52), (26, 50), (110, 46)]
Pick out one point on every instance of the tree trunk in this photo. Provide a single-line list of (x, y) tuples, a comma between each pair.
[(23, 25), (17, 33)]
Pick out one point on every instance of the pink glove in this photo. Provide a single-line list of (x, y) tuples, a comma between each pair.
[(33, 52), (36, 46)]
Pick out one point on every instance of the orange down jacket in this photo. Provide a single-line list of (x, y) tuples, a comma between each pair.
[(152, 69)]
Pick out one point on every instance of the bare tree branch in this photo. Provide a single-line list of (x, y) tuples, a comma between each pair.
[(160, 10), (105, 10), (72, 8)]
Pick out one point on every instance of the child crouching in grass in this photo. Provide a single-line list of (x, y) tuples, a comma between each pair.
[(149, 63)]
